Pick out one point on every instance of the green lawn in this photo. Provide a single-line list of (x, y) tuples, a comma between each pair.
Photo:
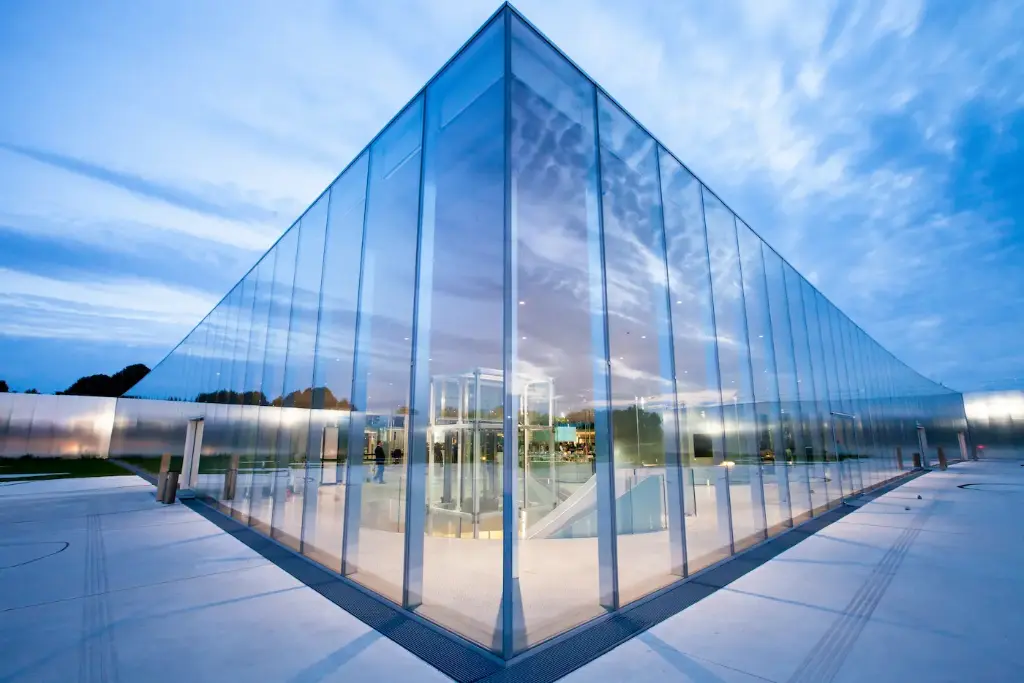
[(152, 464), (56, 468)]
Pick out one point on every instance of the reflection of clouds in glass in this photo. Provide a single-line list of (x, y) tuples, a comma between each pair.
[(553, 174), (695, 396), (624, 370)]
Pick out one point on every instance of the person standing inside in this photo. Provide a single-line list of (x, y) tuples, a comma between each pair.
[(380, 457)]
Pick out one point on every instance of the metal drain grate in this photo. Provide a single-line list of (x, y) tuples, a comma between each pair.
[(547, 662)]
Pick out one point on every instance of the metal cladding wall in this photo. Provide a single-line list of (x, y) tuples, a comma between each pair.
[(518, 366), (46, 426), (996, 420)]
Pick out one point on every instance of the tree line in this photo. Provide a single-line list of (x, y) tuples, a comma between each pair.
[(97, 385)]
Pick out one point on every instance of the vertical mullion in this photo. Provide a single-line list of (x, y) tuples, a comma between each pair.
[(607, 540), (419, 375), (797, 403), (354, 464), (309, 509), (785, 504), (281, 478), (674, 480), (723, 501), (510, 410), (816, 416), (757, 487)]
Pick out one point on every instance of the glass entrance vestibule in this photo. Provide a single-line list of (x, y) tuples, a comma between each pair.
[(467, 447)]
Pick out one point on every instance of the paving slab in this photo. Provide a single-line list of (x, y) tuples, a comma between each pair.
[(98, 582), (921, 584)]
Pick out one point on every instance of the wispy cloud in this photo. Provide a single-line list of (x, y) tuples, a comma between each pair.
[(217, 204)]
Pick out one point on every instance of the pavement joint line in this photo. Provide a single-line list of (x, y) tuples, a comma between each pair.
[(58, 518), (827, 610), (261, 562), (72, 494), (647, 635)]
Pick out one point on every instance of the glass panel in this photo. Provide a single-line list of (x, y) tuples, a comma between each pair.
[(852, 444), (230, 501), (335, 345), (217, 432), (698, 396), (837, 438), (459, 342), (742, 463), (640, 349), (207, 482), (865, 419), (770, 441), (822, 469), (250, 471), (885, 408), (297, 395), (380, 394), (810, 446), (890, 431), (789, 398), (273, 473), (559, 352)]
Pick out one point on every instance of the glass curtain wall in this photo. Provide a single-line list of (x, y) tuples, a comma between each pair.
[(331, 403), (707, 523), (558, 369), (517, 367)]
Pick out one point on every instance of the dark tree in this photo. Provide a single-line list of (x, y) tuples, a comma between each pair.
[(3, 387), (32, 391), (108, 385)]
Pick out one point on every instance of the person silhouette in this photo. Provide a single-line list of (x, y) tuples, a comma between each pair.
[(380, 457)]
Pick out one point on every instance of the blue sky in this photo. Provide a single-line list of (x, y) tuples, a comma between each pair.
[(150, 151)]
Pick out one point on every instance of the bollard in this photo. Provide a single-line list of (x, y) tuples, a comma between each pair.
[(899, 458), (231, 479), (170, 490), (917, 461), (161, 486), (230, 483), (942, 459)]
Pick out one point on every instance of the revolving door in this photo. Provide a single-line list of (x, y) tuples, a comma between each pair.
[(466, 450)]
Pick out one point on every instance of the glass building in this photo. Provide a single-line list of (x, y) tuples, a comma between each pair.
[(517, 367)]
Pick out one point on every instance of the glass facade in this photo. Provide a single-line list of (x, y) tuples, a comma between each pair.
[(518, 367)]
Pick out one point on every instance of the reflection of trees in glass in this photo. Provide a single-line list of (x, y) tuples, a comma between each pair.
[(639, 437), (580, 418), (320, 398), (536, 417), (251, 398), (491, 414), (325, 398)]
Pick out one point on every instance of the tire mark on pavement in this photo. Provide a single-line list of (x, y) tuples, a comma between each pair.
[(826, 657), (97, 653)]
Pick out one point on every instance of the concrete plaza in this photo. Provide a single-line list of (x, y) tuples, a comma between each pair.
[(100, 583)]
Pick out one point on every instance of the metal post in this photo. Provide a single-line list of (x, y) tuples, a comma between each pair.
[(511, 399)]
